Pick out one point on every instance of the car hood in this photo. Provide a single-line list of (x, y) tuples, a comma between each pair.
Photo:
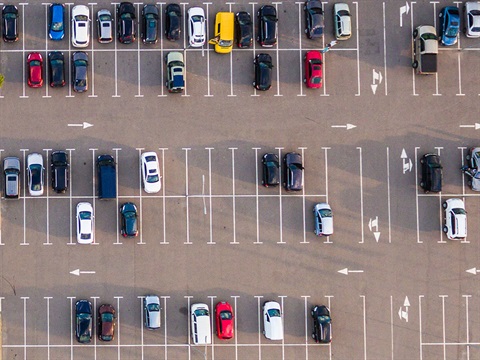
[(327, 225)]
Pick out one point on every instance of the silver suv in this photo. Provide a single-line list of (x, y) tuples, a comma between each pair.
[(11, 169), (175, 72)]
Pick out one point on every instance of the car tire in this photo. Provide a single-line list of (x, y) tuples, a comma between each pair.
[(304, 80), (469, 183), (468, 157), (306, 31), (415, 64), (440, 15), (421, 161), (313, 336), (422, 184), (415, 33), (444, 205), (445, 229), (254, 84)]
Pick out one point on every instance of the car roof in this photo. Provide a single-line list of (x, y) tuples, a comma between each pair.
[(11, 163)]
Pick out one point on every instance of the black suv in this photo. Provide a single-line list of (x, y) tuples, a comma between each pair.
[(263, 72), (322, 324), (126, 22), (431, 173), (267, 26), (10, 23), (173, 15), (293, 168), (271, 173), (59, 166)]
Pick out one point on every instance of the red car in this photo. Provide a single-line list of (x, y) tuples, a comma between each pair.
[(35, 70), (313, 69), (224, 316)]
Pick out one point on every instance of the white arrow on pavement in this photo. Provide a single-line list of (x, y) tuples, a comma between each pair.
[(407, 164), (82, 125), (406, 302), (473, 271), (346, 271), (377, 235), (78, 272), (403, 10), (476, 126), (348, 126), (404, 154)]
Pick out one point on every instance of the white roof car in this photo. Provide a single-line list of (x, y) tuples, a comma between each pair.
[(105, 31), (35, 172), (80, 26), (455, 219), (84, 223), (471, 26), (151, 173), (196, 27), (200, 324), (152, 311), (322, 213), (272, 321), (342, 21)]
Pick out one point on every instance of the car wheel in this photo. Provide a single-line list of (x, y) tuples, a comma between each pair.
[(304, 80), (445, 229), (306, 31), (440, 15), (444, 205), (313, 336), (468, 157), (469, 183), (415, 33), (422, 184), (415, 64), (311, 313), (254, 84), (421, 161)]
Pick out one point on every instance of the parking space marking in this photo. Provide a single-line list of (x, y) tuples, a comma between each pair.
[(329, 297), (388, 197), (468, 330), (188, 297), (283, 322), (116, 198), (358, 50), (305, 298), (435, 26), (302, 149), (185, 26), (48, 325), (231, 56), (440, 207), (70, 196), (300, 57), (208, 52), (385, 51), (71, 325), (24, 298), (211, 327), (23, 50), (443, 325), (138, 50), (361, 193), (234, 297), (186, 196), (413, 46), (233, 197), (280, 195), (1, 198), (462, 158), (416, 195), (254, 44), (47, 188), (210, 193), (163, 196), (93, 192), (115, 49), (69, 52), (364, 328), (92, 95), (46, 49), (278, 60), (327, 241), (161, 52), (140, 193), (256, 196), (93, 320), (24, 200), (141, 324), (118, 325), (164, 298), (259, 311), (391, 321)]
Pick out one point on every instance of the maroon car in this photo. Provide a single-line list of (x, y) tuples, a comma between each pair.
[(106, 322)]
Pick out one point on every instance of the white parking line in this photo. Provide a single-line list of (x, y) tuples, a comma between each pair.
[(116, 197), (303, 198), (92, 95), (23, 49), (462, 159), (210, 193), (71, 325), (416, 195), (305, 298), (256, 195), (300, 57), (188, 325), (185, 45), (93, 316), (138, 51), (162, 83), (358, 49), (211, 327), (118, 326), (413, 46), (326, 186), (48, 325), (364, 329), (231, 59), (93, 191), (435, 26), (163, 196), (388, 197), (443, 326), (208, 52), (115, 49), (329, 297), (70, 196), (361, 192), (24, 298), (391, 319), (140, 193), (24, 198), (1, 198), (235, 323), (259, 311), (47, 187), (280, 196), (440, 207), (233, 197), (186, 195), (141, 324), (467, 321), (278, 60), (70, 58), (46, 51), (165, 322), (283, 322)]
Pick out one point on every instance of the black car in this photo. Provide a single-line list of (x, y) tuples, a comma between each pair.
[(431, 173), (83, 321), (10, 23), (267, 26), (263, 72), (80, 71), (271, 172), (322, 324), (150, 24), (293, 168), (59, 166), (56, 69), (173, 16), (126, 22), (314, 23), (244, 29), (128, 215)]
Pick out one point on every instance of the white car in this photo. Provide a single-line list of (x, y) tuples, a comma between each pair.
[(84, 223), (323, 215), (342, 21), (151, 173), (152, 311), (272, 320), (201, 330), (80, 26), (455, 219), (471, 25), (35, 172), (196, 27)]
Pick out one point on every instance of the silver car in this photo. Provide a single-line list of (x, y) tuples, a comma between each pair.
[(342, 21), (35, 172), (104, 26), (11, 170), (471, 24), (152, 311), (471, 170)]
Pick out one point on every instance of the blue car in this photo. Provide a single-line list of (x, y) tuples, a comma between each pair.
[(449, 25), (56, 28)]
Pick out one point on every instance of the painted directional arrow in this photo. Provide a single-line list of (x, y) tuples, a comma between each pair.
[(78, 272), (403, 10), (346, 271), (403, 314), (82, 125), (473, 271), (347, 126), (407, 165), (476, 126)]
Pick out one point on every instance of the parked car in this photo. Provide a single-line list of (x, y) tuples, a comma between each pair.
[(455, 219), (152, 312), (473, 165), (151, 172), (150, 24), (106, 322), (263, 72), (224, 320), (314, 22), (175, 72), (196, 27), (200, 324), (129, 220), (323, 216), (80, 26), (271, 172), (80, 71), (342, 21), (56, 26), (59, 166), (10, 23), (83, 321), (471, 22), (35, 70), (267, 26), (425, 50), (104, 25), (126, 23), (322, 324), (56, 69), (35, 171), (449, 25), (173, 19), (106, 177), (85, 227), (293, 168), (272, 320), (313, 69), (11, 172), (431, 173), (244, 29)]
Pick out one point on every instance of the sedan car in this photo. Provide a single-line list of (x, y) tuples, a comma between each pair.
[(85, 229), (10, 23), (271, 172), (35, 70), (323, 216), (151, 173), (56, 26), (173, 17), (342, 21), (80, 26), (313, 69), (314, 22), (471, 24), (59, 166), (322, 324), (80, 71), (126, 22), (128, 217), (152, 311), (83, 321), (150, 24), (104, 24), (455, 219), (244, 29), (196, 27), (35, 172), (11, 179), (272, 320), (175, 72), (449, 25), (267, 26), (263, 72), (224, 320), (56, 69), (293, 168), (431, 173), (106, 322), (473, 167)]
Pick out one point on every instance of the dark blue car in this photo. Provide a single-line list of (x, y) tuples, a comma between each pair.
[(56, 28), (83, 321), (449, 25)]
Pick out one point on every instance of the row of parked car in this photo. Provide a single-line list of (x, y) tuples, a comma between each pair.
[(200, 321)]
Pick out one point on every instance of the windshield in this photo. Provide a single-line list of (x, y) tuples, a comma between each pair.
[(459, 211), (225, 315), (85, 215), (107, 317), (57, 26), (225, 43), (325, 213), (274, 313), (201, 312), (152, 178), (153, 307)]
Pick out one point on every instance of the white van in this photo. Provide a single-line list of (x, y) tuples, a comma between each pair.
[(200, 325)]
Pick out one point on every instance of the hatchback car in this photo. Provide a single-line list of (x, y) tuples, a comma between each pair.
[(35, 171), (322, 324), (342, 21), (151, 173), (80, 71), (471, 24), (129, 220), (314, 22), (56, 69), (200, 324), (271, 172), (152, 312), (244, 29), (150, 24), (455, 219), (59, 167), (106, 322), (126, 22), (56, 26), (104, 26), (10, 23), (80, 26), (473, 161), (267, 26), (313, 69), (196, 27), (83, 321), (272, 320), (85, 227), (263, 72), (431, 173), (323, 216), (224, 320), (175, 72), (449, 25), (293, 170), (11, 172), (35, 70), (173, 17)]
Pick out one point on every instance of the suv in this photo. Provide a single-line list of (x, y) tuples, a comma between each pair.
[(175, 72), (322, 324), (431, 173), (59, 166), (455, 219), (293, 168), (267, 26), (126, 22), (11, 170)]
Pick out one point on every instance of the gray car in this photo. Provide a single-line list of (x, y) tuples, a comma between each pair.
[(104, 24), (471, 170), (11, 170), (152, 312), (80, 71)]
